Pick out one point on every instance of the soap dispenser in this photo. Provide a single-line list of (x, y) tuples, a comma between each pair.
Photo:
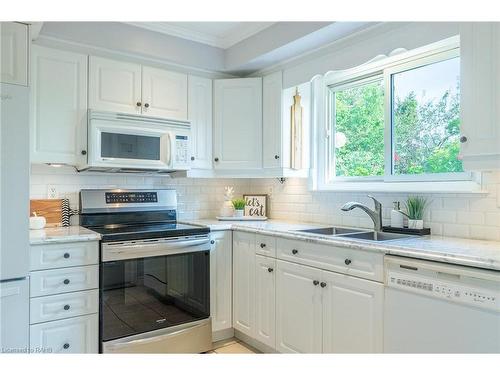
[(396, 216)]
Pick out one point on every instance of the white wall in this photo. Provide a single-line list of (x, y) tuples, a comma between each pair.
[(197, 198), (455, 215)]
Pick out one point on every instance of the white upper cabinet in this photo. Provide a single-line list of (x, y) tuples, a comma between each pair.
[(58, 106), (298, 309), (114, 86), (271, 120), (124, 87), (164, 94), (200, 116), (238, 123), (480, 95), (352, 314), (220, 280), (14, 45), (265, 300)]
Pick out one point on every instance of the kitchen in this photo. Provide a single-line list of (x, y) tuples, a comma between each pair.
[(250, 187)]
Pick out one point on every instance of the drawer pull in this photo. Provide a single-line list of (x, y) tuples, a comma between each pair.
[(323, 285), (66, 307), (66, 255), (347, 262), (270, 269), (66, 281), (262, 245), (212, 242), (315, 282), (66, 346), (294, 251)]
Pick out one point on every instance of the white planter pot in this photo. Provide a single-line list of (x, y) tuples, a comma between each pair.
[(238, 213), (415, 224)]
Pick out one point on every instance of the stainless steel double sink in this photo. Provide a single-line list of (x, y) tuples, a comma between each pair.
[(355, 234)]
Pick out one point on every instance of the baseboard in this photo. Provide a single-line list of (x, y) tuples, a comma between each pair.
[(252, 342), (223, 334)]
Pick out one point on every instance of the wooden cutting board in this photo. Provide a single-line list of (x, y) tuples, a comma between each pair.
[(51, 209)]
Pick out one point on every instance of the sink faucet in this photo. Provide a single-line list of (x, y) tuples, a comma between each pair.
[(375, 215)]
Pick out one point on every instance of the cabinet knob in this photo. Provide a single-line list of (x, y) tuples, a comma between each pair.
[(66, 281), (463, 139), (347, 262), (212, 242), (294, 251), (146, 105), (270, 269), (276, 157), (323, 285), (216, 159), (66, 307), (315, 282), (192, 158), (66, 255), (138, 104), (262, 245), (66, 346), (84, 152)]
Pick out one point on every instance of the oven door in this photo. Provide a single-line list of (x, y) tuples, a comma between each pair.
[(152, 285), (113, 144)]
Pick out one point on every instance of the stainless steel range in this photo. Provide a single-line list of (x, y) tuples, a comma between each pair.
[(154, 273)]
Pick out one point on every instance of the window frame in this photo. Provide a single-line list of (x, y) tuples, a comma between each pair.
[(385, 67)]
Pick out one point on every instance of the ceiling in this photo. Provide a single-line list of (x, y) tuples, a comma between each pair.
[(216, 34)]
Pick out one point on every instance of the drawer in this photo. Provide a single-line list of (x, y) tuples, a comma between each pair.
[(265, 245), (74, 335), (70, 254), (66, 305), (366, 264), (63, 280)]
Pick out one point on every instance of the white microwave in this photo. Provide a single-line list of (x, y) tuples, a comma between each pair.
[(130, 143)]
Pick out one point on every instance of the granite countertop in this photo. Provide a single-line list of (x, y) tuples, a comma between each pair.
[(461, 251), (62, 234)]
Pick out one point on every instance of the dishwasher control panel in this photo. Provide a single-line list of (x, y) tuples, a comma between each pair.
[(437, 288)]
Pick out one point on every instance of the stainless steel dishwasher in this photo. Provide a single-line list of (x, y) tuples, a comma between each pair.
[(432, 307)]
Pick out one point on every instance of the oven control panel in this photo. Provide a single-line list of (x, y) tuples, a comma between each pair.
[(436, 288), (131, 197)]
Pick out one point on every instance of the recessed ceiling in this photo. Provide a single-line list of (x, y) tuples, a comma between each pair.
[(216, 34)]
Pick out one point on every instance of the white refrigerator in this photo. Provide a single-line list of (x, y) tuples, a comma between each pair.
[(14, 221)]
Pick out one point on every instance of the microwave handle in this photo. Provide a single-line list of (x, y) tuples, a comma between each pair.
[(169, 151)]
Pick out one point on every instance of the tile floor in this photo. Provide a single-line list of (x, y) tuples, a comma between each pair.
[(232, 346)]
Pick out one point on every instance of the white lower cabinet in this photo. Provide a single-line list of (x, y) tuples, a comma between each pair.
[(352, 314), (244, 282), (298, 309), (265, 300), (74, 335), (220, 281)]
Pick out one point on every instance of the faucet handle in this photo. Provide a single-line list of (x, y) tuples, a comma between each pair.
[(378, 205)]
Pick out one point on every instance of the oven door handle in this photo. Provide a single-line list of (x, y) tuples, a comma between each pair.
[(122, 251)]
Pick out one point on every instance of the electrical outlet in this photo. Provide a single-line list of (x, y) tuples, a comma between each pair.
[(52, 192)]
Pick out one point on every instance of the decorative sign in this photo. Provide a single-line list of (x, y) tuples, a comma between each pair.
[(296, 131), (256, 205)]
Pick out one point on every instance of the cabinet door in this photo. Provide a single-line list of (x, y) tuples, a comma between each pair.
[(271, 120), (298, 309), (74, 335), (14, 53), (352, 314), (238, 123), (200, 115), (221, 261), (244, 282), (480, 95), (265, 300), (114, 86), (164, 93), (58, 106)]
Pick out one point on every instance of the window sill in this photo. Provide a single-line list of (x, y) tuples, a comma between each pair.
[(436, 187)]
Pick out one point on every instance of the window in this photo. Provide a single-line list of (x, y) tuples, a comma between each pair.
[(395, 120)]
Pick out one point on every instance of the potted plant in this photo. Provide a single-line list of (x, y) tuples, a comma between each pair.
[(239, 207), (415, 207)]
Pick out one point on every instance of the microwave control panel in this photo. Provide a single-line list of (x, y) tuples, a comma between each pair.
[(181, 149)]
